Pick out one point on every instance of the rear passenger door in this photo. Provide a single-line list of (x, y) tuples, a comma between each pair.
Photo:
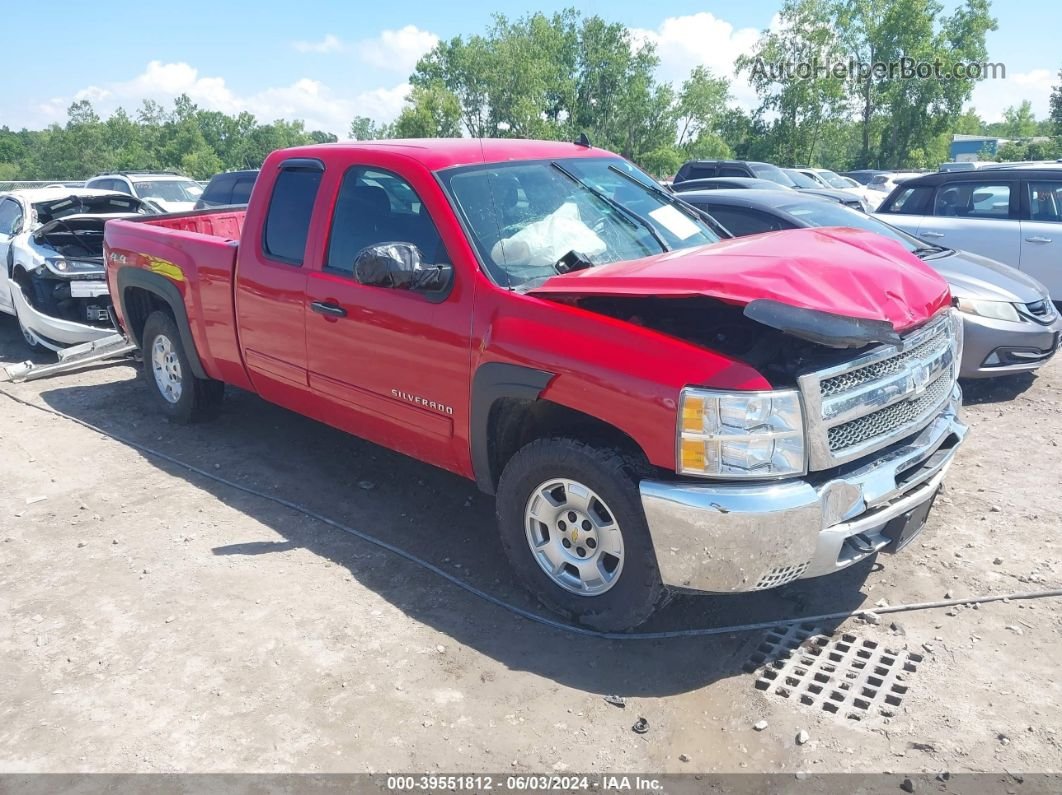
[(385, 363), (978, 215), (1041, 232), (271, 285)]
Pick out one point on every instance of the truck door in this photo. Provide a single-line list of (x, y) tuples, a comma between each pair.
[(271, 284), (390, 364)]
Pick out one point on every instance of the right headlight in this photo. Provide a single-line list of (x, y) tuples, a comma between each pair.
[(994, 310), (743, 435)]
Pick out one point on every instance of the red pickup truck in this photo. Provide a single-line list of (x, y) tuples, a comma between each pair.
[(654, 407)]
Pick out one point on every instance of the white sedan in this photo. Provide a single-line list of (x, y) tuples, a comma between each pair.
[(51, 246)]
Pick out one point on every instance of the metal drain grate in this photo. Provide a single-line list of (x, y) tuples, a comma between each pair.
[(845, 676)]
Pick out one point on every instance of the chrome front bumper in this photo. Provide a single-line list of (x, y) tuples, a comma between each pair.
[(726, 538)]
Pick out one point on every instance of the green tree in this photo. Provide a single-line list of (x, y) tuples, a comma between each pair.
[(1019, 121), (365, 129), (431, 112), (1056, 105), (800, 102), (702, 102), (902, 119)]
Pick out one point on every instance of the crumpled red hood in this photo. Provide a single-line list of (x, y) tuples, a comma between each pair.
[(843, 271)]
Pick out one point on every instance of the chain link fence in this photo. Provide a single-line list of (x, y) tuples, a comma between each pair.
[(41, 183)]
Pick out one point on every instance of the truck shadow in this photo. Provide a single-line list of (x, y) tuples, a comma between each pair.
[(444, 520)]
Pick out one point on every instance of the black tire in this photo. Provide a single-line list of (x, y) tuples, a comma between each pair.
[(200, 398), (613, 476)]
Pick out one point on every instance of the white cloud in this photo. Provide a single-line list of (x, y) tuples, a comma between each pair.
[(992, 97), (701, 39), (315, 103), (330, 43), (397, 50)]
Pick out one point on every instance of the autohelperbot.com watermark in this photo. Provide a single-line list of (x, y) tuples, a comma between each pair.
[(854, 69)]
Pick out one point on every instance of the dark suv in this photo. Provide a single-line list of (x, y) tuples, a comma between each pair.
[(232, 187), (705, 169)]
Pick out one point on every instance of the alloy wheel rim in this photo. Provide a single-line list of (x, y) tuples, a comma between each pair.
[(574, 537), (167, 368)]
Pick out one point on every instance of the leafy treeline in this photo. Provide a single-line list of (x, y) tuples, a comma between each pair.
[(556, 76), (196, 142)]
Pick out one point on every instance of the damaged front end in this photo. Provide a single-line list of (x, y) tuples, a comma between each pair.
[(64, 300)]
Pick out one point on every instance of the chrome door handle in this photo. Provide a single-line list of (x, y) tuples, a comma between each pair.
[(931, 234), (1037, 239), (323, 308)]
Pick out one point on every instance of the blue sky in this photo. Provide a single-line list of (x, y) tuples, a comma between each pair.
[(334, 60)]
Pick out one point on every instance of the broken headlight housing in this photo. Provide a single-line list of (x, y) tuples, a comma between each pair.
[(63, 267), (741, 435)]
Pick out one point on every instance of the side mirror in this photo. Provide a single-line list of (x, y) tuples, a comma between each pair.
[(399, 266)]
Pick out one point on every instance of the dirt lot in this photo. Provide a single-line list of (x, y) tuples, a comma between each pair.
[(157, 620)]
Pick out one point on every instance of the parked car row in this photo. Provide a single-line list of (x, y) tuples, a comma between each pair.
[(704, 175)]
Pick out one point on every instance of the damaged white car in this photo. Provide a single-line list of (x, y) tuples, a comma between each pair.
[(51, 247)]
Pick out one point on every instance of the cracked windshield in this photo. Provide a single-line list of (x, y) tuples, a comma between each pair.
[(530, 221)]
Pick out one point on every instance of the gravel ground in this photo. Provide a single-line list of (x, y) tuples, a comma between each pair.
[(156, 620)]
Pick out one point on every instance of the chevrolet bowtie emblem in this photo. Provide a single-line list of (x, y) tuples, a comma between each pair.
[(575, 536)]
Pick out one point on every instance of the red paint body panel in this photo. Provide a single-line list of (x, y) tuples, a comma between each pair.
[(843, 271), (398, 368), (204, 248)]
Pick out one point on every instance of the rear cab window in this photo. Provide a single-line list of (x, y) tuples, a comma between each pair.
[(287, 223)]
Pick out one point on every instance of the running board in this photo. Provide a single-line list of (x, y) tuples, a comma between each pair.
[(71, 359)]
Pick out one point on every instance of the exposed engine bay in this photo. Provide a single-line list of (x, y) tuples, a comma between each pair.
[(70, 284), (719, 326)]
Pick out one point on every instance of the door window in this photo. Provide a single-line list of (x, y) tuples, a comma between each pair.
[(376, 207), (1045, 201), (10, 217), (743, 222), (973, 200), (911, 201), (290, 208), (732, 171)]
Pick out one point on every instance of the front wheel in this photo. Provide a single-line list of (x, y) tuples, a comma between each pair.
[(572, 525), (182, 396)]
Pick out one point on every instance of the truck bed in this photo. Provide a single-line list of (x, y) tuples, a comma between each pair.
[(196, 252)]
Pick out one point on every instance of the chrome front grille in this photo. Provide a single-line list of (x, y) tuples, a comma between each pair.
[(872, 372), (882, 396), (887, 420)]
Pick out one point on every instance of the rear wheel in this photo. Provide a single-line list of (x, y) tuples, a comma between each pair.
[(166, 370), (572, 525)]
